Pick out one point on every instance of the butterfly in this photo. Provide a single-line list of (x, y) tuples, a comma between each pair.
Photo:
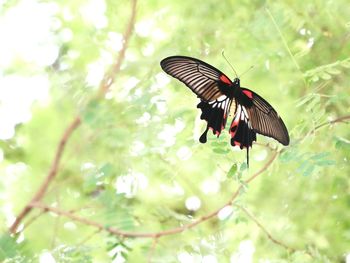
[(219, 96)]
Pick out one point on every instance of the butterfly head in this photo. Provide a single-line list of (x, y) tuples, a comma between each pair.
[(236, 82)]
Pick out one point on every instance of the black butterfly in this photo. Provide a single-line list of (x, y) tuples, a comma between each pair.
[(219, 95)]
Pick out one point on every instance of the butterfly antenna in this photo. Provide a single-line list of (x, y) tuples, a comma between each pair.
[(223, 54), (251, 67)]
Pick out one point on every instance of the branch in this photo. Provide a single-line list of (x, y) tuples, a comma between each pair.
[(154, 235), (263, 168), (337, 120), (50, 176), (340, 119), (105, 84), (108, 79)]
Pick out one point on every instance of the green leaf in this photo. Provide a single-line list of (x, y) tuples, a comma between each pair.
[(90, 183), (326, 162), (221, 151), (8, 247), (304, 100), (218, 144), (345, 63), (288, 156), (232, 170), (308, 170), (333, 71), (312, 104), (315, 78), (11, 251), (325, 76), (77, 254), (107, 169), (320, 156), (243, 167), (302, 166), (342, 143), (91, 112)]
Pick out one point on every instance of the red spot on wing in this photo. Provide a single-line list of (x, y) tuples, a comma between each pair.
[(237, 143), (225, 79), (248, 93), (234, 124)]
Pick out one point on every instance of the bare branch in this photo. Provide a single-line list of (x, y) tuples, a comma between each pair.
[(50, 176), (108, 79)]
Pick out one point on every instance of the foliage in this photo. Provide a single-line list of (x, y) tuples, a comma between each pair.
[(135, 163)]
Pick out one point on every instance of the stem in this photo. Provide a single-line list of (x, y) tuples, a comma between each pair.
[(286, 44)]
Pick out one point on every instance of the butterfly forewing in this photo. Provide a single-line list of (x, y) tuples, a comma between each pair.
[(265, 120), (203, 79)]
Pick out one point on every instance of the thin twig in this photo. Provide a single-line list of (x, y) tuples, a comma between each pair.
[(273, 239), (282, 37), (337, 120), (105, 84), (87, 238), (32, 219), (340, 119), (263, 168), (285, 44), (152, 250)]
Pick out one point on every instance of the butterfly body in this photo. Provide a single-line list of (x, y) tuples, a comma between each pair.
[(219, 96)]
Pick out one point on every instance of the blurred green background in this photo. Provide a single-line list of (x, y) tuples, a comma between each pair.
[(135, 162)]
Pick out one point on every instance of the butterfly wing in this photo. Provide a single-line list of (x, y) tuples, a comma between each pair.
[(207, 83), (203, 79), (264, 119), (215, 113), (241, 130), (257, 116)]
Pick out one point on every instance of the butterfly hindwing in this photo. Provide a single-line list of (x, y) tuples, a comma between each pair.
[(215, 113), (241, 131)]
